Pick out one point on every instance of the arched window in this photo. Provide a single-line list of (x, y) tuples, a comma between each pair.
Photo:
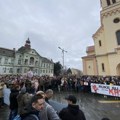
[(31, 60), (108, 2), (118, 37), (114, 1)]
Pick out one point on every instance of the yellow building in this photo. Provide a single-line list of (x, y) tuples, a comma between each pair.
[(104, 57)]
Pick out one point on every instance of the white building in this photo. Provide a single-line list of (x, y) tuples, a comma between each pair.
[(23, 60)]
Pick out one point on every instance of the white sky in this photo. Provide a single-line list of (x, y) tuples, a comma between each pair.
[(49, 24)]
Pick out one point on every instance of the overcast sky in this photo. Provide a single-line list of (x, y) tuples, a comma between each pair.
[(49, 24)]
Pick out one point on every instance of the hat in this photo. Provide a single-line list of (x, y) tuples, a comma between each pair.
[(71, 98)]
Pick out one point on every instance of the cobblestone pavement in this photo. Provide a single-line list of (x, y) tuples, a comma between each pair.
[(95, 106)]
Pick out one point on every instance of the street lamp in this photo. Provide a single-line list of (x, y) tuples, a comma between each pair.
[(63, 51)]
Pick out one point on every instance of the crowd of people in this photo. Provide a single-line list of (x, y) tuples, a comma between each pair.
[(62, 83), (29, 97)]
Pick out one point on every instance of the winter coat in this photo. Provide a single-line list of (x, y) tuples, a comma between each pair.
[(48, 113), (13, 99), (1, 89), (23, 102), (1, 92), (72, 112), (31, 115)]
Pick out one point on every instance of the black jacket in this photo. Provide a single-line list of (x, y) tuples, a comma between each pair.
[(13, 99), (30, 115), (72, 112)]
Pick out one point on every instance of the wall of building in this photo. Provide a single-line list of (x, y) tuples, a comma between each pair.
[(107, 54), (100, 50), (114, 61)]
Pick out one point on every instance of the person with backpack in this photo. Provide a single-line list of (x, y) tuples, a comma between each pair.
[(23, 100), (13, 101), (35, 106), (48, 112)]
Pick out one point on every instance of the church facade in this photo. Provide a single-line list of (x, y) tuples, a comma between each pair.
[(23, 60), (103, 58)]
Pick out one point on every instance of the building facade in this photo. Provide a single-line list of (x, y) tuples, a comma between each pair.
[(105, 58), (24, 60)]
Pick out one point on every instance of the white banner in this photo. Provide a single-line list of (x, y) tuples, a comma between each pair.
[(111, 90), (6, 93)]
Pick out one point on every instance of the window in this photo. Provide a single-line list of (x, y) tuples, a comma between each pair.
[(116, 20), (100, 44), (31, 61), (11, 70), (118, 37), (51, 71), (25, 70), (0, 60), (6, 60), (19, 62), (18, 70), (103, 67), (12, 60), (108, 2), (48, 65), (36, 63), (43, 71), (26, 61), (4, 70), (114, 1), (36, 71), (44, 65)]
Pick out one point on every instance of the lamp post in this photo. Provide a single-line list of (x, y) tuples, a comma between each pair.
[(63, 51)]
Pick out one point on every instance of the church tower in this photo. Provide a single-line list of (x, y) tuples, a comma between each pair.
[(107, 38), (27, 44), (106, 41), (110, 20)]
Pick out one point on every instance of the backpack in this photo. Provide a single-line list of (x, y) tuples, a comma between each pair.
[(17, 117), (35, 116)]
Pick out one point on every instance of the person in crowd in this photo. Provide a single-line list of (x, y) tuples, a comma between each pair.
[(48, 95), (23, 100), (20, 98), (1, 94), (48, 113), (35, 106), (13, 101), (72, 111)]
